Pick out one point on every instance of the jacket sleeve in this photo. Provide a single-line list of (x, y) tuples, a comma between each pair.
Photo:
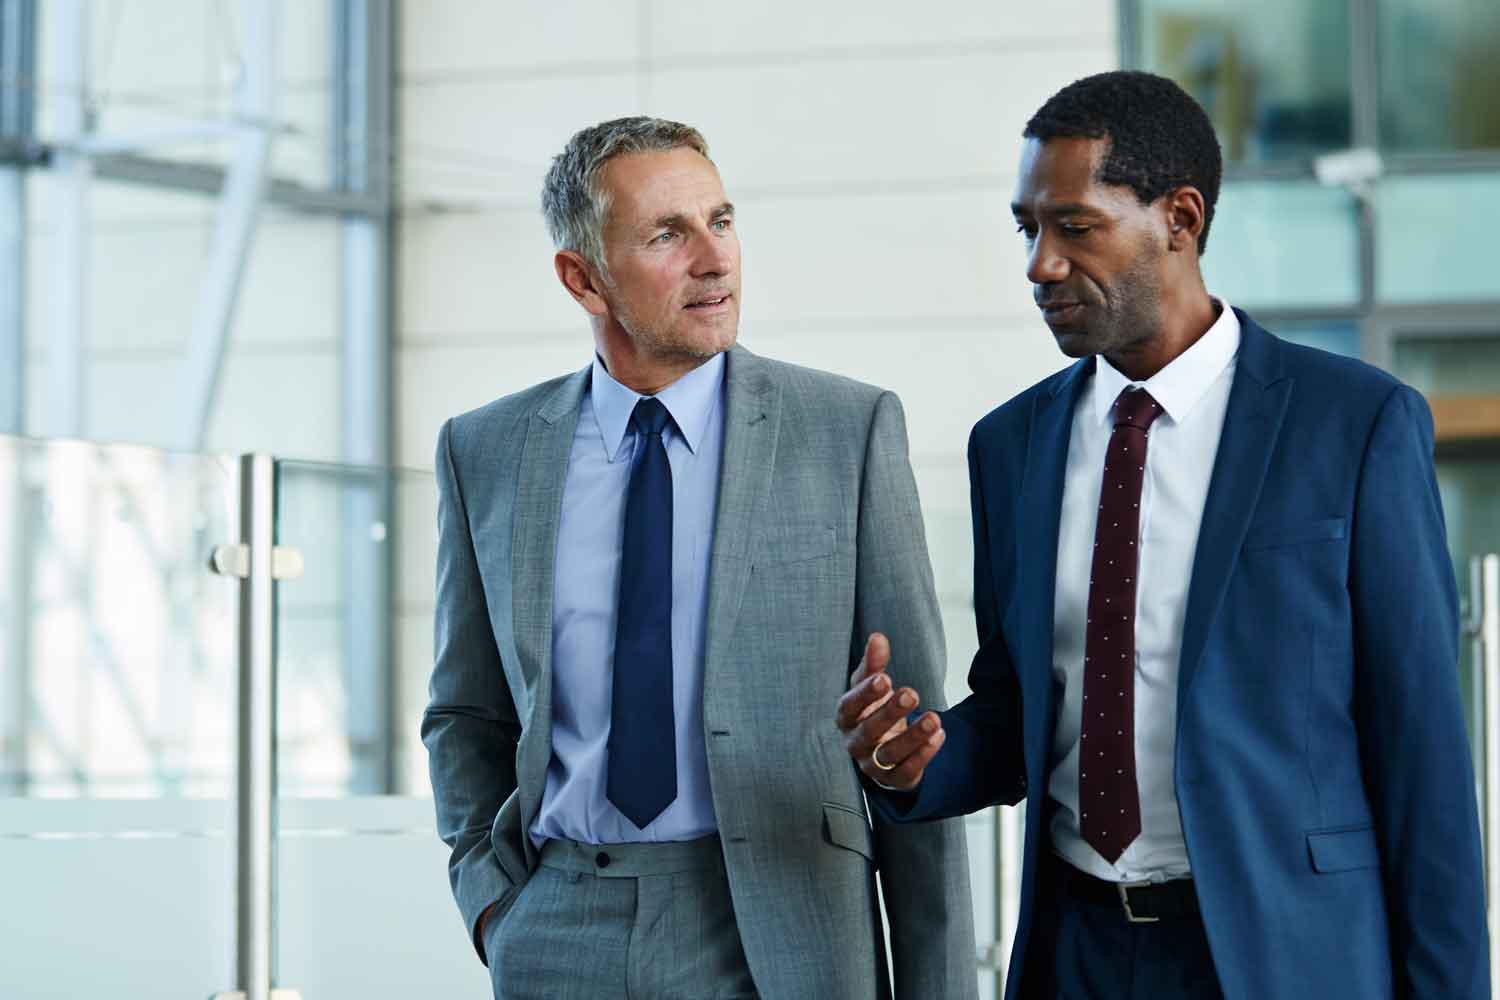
[(924, 870), (1413, 742), (982, 762), (470, 726)]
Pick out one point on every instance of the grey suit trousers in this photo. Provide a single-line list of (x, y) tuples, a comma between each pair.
[(621, 921)]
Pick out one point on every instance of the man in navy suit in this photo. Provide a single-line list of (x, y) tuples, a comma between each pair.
[(1217, 621)]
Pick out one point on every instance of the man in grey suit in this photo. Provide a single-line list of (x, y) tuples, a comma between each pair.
[(653, 576)]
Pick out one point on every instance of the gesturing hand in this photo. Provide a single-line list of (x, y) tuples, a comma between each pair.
[(872, 718)]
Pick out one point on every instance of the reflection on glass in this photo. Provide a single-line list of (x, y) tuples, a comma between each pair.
[(170, 82), (1273, 74), (1471, 507), (1435, 238), (1337, 337), (117, 646), (1460, 376), (1438, 75), (1285, 244), (1450, 366), (354, 632)]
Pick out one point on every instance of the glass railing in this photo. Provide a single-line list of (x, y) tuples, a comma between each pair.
[(117, 742)]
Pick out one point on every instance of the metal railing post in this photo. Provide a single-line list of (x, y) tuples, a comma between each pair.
[(1486, 602), (258, 564), (257, 730)]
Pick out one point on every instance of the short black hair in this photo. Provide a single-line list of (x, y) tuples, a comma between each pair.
[(1159, 137)]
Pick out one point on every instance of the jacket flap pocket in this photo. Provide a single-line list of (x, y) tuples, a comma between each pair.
[(1343, 850), (1265, 536), (848, 829)]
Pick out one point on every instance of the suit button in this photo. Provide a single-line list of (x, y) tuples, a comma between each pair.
[(601, 859)]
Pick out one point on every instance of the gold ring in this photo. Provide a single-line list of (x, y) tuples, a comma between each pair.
[(875, 757)]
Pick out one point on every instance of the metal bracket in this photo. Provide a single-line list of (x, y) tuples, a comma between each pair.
[(277, 993), (234, 561)]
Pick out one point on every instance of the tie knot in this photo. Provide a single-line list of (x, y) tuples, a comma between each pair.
[(1136, 408), (650, 416)]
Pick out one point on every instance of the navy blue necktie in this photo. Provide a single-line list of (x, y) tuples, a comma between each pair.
[(642, 737)]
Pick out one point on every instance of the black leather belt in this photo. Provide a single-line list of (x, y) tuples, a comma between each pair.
[(1142, 902)]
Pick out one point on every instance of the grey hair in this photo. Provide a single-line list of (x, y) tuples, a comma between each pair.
[(573, 204)]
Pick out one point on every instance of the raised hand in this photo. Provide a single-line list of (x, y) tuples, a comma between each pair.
[(872, 716)]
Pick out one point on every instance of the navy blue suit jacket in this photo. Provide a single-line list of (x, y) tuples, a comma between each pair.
[(1322, 768)]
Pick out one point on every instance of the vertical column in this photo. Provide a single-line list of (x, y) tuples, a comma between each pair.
[(67, 78), (362, 131)]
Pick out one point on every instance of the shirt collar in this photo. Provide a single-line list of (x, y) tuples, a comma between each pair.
[(1183, 383), (690, 400)]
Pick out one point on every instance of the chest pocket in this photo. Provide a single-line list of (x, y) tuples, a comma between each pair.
[(1293, 532), (783, 544)]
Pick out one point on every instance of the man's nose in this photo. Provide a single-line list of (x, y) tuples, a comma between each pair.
[(1045, 266), (715, 255)]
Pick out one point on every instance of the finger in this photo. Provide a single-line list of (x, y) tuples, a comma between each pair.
[(908, 774), (861, 700), (879, 725), (907, 740), (877, 657)]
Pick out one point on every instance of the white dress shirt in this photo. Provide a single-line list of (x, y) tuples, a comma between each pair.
[(1194, 392)]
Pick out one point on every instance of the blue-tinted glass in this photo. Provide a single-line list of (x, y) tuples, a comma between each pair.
[(1438, 74), (1273, 74), (1340, 337), (1450, 366), (1284, 244), (1435, 238)]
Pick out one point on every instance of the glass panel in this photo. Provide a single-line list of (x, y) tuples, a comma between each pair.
[(354, 653), (1450, 366), (1284, 245), (1340, 336), (157, 70), (355, 648), (1273, 74), (143, 272), (1439, 75), (1434, 238), (1455, 373), (117, 695)]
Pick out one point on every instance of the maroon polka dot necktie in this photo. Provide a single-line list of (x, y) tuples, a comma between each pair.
[(1108, 801)]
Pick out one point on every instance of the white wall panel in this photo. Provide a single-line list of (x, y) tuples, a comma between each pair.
[(450, 37), (476, 274), (489, 141), (854, 262), (435, 383), (792, 26), (870, 123)]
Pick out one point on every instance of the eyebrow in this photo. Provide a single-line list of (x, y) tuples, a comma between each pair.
[(1058, 208), (676, 218)]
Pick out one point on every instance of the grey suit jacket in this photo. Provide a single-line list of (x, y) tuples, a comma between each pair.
[(818, 542)]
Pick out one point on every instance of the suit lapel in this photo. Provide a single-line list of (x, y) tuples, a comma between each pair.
[(1041, 511), (539, 488), (752, 419), (1252, 422)]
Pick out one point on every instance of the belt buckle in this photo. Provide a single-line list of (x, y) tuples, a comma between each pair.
[(1124, 890)]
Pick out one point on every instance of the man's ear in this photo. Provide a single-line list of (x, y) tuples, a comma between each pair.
[(581, 281), (1185, 215)]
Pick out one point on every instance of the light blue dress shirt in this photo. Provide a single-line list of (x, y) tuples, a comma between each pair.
[(585, 591)]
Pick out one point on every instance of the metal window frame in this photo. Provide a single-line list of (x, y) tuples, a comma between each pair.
[(1380, 322)]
